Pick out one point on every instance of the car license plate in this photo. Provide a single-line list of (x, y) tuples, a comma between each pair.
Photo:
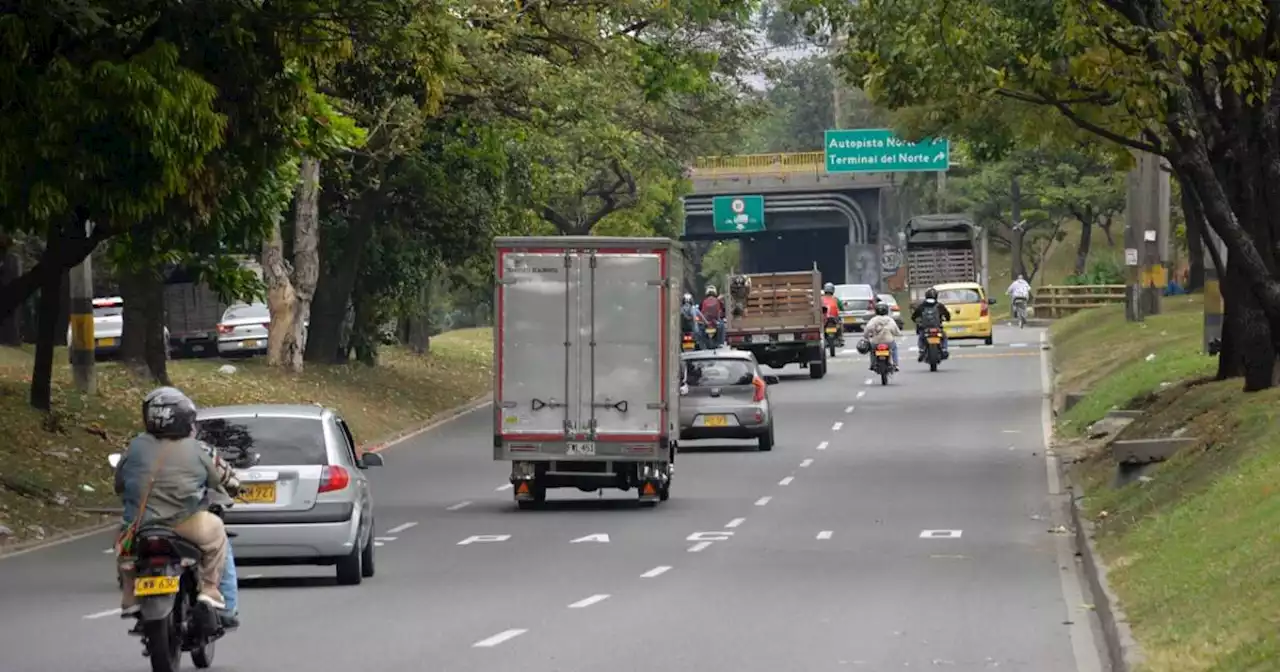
[(715, 420), (934, 340), (959, 330), (145, 586), (106, 342), (581, 448), (785, 338), (760, 338), (257, 493), (248, 344)]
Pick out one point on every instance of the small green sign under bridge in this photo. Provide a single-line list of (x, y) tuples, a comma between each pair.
[(737, 214)]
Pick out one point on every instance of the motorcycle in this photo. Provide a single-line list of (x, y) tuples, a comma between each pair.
[(933, 347), (711, 337), (166, 583), (687, 343), (1020, 311), (883, 363), (834, 335)]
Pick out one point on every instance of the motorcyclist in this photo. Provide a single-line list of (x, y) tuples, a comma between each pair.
[(1020, 290), (692, 321), (930, 313), (168, 479), (831, 305), (713, 314), (882, 329)]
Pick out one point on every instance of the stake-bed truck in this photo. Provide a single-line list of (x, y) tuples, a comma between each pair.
[(942, 249), (587, 364), (780, 320)]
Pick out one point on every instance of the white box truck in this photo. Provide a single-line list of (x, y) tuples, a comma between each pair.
[(587, 364)]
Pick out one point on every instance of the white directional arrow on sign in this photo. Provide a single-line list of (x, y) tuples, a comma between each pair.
[(940, 156), (741, 227)]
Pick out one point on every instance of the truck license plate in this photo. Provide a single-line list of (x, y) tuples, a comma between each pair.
[(760, 338), (581, 448), (786, 338)]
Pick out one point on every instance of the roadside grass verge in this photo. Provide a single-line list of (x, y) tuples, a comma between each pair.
[(53, 466), (1192, 549)]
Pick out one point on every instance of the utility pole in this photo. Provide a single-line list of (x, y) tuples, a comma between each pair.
[(1146, 236), (837, 109), (82, 341)]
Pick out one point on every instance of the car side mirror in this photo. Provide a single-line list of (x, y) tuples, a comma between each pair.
[(371, 460), (772, 380), (114, 459), (992, 302)]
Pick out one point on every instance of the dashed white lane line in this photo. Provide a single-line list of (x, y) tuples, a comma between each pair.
[(787, 480), (499, 638), (385, 538), (459, 505), (848, 409), (698, 547), (735, 522), (762, 501), (588, 601), (108, 550), (825, 534), (401, 528), (379, 543), (862, 393), (656, 572), (502, 487), (806, 462), (1017, 345), (254, 577), (822, 446), (836, 427), (866, 382), (100, 614)]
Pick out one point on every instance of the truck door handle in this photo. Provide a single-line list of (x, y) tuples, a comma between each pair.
[(538, 404), (620, 407)]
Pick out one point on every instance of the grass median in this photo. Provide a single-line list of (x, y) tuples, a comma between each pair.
[(1193, 551), (54, 466)]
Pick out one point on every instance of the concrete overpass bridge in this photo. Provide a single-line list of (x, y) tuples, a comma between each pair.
[(846, 222)]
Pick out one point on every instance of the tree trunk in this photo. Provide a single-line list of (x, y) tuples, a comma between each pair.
[(418, 337), (1086, 242), (143, 348), (289, 291), (11, 270), (1195, 237), (280, 295), (46, 338), (1105, 225), (333, 292), (1019, 235)]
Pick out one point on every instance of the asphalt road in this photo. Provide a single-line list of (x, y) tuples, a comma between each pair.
[(898, 527)]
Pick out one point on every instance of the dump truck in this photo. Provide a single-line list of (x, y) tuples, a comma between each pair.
[(778, 318), (944, 248), (587, 371)]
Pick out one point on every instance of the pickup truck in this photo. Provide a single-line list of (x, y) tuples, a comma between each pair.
[(779, 320)]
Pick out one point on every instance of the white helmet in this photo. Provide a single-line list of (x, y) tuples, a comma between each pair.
[(688, 298), (711, 290)]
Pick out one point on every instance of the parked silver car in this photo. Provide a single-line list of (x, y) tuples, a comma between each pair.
[(858, 305), (304, 497), (725, 396), (894, 310), (243, 330)]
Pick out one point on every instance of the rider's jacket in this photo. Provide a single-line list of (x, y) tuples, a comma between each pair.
[(1020, 289), (881, 329), (830, 306), (185, 481)]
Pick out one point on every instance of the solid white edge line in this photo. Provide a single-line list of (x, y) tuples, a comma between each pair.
[(459, 505), (401, 528), (735, 522), (822, 446), (656, 572), (588, 601), (787, 480), (763, 500), (1084, 646), (825, 534), (698, 547), (499, 638)]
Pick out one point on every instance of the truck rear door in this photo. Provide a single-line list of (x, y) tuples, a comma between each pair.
[(536, 305)]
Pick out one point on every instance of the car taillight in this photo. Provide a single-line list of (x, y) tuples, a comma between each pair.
[(334, 478), (225, 329), (984, 309), (758, 383)]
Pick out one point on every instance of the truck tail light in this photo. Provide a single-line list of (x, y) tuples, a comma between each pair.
[(758, 394)]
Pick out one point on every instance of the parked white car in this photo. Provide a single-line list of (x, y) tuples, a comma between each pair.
[(108, 326), (243, 330)]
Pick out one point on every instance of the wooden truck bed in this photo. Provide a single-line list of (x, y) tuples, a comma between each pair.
[(780, 301)]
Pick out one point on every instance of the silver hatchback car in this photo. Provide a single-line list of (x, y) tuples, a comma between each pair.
[(727, 397), (304, 497)]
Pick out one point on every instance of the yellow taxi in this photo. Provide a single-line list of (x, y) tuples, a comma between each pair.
[(970, 310)]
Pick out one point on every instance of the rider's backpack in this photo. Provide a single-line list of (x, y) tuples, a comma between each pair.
[(930, 316)]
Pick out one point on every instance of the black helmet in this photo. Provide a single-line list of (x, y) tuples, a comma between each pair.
[(882, 308), (931, 293), (167, 413)]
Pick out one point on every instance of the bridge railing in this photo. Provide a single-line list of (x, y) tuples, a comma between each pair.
[(1054, 301), (759, 164)]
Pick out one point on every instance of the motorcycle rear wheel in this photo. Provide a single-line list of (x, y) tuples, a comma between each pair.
[(164, 644), (202, 656)]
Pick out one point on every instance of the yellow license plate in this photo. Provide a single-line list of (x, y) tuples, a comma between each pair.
[(715, 420), (831, 330), (257, 493), (248, 344), (144, 586), (850, 320), (688, 345), (934, 340), (882, 353), (106, 342)]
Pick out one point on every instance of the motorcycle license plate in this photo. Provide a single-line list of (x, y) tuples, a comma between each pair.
[(257, 493), (715, 421), (688, 345), (145, 586), (934, 340), (711, 332), (831, 330), (882, 353)]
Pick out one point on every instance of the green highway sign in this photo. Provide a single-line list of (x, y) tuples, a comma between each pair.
[(738, 214), (878, 150)]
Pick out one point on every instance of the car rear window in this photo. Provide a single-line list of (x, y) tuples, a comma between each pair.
[(243, 312), (277, 441), (719, 372), (959, 296), (855, 292)]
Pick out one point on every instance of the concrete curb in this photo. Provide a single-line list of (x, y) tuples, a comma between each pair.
[(375, 447), (1123, 651)]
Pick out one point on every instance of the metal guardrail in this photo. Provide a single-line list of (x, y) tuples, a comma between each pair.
[(1054, 301), (782, 163)]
